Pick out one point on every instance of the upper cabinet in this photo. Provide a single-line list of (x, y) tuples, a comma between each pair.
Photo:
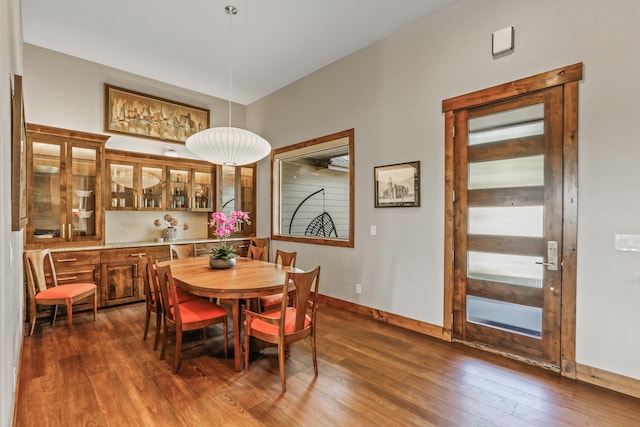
[(137, 181), (64, 174)]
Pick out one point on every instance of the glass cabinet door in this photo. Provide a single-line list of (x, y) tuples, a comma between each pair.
[(48, 216), (152, 182), (236, 191), (121, 185), (202, 190), (82, 192), (178, 188)]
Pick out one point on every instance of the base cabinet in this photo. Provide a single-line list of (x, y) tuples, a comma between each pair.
[(121, 279)]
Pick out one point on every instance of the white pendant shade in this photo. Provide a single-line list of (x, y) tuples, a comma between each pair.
[(228, 146)]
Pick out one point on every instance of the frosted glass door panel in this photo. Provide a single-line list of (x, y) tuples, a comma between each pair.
[(519, 319), (507, 221), (517, 123), (519, 172), (512, 269)]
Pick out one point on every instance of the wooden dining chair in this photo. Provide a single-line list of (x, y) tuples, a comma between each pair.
[(40, 294), (293, 321), (153, 299), (184, 316), (261, 242), (255, 252), (182, 250), (286, 259)]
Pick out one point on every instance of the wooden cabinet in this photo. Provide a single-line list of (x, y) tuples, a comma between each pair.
[(121, 280), (137, 181), (64, 175)]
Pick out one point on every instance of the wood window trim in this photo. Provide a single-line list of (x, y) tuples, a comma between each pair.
[(568, 77)]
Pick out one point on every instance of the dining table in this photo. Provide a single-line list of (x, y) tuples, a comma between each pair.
[(248, 279)]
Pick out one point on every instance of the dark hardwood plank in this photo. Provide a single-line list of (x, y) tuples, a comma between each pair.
[(370, 373)]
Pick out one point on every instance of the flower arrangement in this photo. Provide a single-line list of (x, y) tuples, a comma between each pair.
[(223, 228)]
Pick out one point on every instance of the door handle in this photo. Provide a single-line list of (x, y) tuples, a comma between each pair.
[(552, 256)]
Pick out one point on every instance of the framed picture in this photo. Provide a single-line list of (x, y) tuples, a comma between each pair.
[(18, 158), (133, 113), (397, 185)]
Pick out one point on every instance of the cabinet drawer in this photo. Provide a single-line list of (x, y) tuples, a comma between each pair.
[(131, 253), (70, 258), (86, 273)]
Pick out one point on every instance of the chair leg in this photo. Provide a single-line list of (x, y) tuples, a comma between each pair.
[(146, 324), (69, 305), (246, 349), (164, 340), (95, 306), (32, 316), (313, 353), (54, 314), (176, 359), (281, 360), (156, 339), (225, 325)]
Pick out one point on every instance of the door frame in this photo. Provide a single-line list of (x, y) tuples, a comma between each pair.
[(568, 77)]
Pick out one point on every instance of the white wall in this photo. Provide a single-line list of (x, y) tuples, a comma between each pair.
[(11, 289), (391, 93)]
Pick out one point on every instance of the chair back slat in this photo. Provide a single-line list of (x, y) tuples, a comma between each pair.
[(305, 296), (179, 251), (168, 293), (255, 252), (35, 266), (286, 259)]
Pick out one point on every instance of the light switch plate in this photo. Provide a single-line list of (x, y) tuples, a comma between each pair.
[(373, 230), (628, 242)]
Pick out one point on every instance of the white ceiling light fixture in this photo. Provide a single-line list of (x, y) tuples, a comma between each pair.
[(228, 145)]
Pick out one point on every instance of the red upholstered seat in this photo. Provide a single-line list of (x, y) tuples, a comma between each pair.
[(289, 322), (70, 290), (199, 310)]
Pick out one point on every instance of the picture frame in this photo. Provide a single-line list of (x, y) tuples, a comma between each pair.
[(137, 114), (397, 185), (18, 158)]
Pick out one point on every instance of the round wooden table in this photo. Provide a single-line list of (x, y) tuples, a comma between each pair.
[(249, 278)]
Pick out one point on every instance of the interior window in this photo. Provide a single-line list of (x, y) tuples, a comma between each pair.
[(313, 191)]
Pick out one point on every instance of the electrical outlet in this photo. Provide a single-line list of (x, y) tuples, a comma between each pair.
[(358, 288)]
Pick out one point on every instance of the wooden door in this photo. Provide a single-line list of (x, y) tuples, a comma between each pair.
[(508, 225)]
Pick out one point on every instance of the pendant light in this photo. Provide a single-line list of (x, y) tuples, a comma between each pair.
[(228, 145)]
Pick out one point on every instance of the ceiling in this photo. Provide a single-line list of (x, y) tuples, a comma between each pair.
[(195, 45)]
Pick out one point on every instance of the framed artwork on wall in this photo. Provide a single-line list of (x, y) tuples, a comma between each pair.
[(18, 158), (397, 185), (136, 114)]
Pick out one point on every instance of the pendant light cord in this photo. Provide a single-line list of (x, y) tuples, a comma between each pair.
[(231, 10)]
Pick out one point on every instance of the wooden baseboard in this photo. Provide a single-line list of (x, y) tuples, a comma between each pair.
[(608, 380), (393, 319), (570, 369)]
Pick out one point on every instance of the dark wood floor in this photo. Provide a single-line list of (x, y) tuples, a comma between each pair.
[(371, 374)]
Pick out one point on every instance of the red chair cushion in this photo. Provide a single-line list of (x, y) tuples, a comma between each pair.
[(270, 300), (196, 310), (65, 291), (289, 322), (184, 296)]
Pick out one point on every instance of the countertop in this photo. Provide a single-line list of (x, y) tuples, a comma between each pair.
[(120, 245)]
